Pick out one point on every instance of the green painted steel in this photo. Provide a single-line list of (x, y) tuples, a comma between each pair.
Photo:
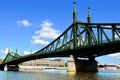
[(78, 35), (89, 17), (97, 34), (11, 56)]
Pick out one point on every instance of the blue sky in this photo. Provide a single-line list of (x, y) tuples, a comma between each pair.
[(25, 24)]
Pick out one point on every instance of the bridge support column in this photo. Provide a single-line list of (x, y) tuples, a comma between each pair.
[(5, 68), (71, 64), (78, 65), (11, 67)]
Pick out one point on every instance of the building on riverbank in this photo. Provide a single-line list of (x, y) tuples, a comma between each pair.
[(109, 67), (45, 63), (42, 64)]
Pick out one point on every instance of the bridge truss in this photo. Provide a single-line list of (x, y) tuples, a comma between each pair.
[(81, 39)]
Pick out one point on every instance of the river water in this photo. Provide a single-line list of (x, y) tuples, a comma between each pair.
[(58, 75)]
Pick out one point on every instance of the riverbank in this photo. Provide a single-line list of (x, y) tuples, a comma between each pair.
[(39, 68)]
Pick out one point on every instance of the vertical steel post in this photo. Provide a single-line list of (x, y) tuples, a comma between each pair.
[(101, 37), (98, 33), (89, 29), (89, 17), (74, 26), (113, 33)]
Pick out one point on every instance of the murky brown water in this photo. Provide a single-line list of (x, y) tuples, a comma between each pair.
[(58, 75)]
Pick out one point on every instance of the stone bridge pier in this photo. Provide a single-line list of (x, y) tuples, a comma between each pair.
[(79, 65), (9, 67)]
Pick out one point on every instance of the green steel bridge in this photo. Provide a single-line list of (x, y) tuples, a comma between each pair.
[(81, 39)]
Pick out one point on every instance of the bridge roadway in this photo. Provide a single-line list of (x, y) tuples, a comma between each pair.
[(82, 52), (62, 47), (83, 40)]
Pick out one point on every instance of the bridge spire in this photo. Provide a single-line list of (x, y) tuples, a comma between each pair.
[(74, 26), (89, 17), (16, 50), (74, 13), (8, 50)]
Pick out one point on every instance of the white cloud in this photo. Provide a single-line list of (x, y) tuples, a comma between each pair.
[(115, 55), (5, 51), (24, 23), (28, 52), (40, 41), (46, 33), (108, 26)]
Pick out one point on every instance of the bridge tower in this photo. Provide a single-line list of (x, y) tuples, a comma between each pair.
[(10, 56), (89, 17), (79, 65)]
